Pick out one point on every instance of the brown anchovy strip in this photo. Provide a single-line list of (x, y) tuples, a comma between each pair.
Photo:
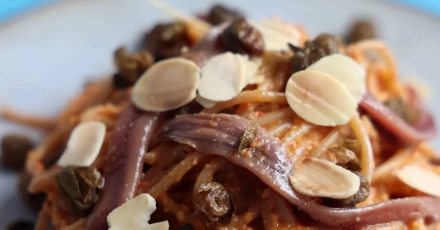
[(123, 163), (219, 134), (421, 130), (128, 143)]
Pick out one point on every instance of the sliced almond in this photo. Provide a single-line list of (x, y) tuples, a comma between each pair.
[(277, 34), (346, 71), (135, 214), (222, 77), (420, 179), (395, 225), (319, 98), (321, 178), (286, 28), (84, 144), (272, 40), (167, 85), (252, 74), (205, 102)]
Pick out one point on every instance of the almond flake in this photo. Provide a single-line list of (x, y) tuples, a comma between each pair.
[(420, 179), (321, 178), (287, 28), (252, 74), (205, 102), (277, 34), (223, 77), (319, 98), (84, 144), (166, 85), (346, 71), (135, 214)]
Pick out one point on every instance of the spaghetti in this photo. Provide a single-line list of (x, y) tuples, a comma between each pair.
[(183, 152)]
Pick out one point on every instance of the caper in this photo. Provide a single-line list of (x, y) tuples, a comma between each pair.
[(299, 61), (313, 50), (361, 30), (345, 158), (329, 44), (219, 14), (248, 136), (321, 46), (14, 151), (241, 37), (119, 82), (353, 145), (360, 196), (364, 190), (167, 40), (214, 202), (80, 186), (403, 110), (130, 66)]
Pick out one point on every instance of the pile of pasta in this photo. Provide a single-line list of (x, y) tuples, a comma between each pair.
[(172, 171)]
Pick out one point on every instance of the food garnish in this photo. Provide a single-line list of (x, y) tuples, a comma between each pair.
[(248, 137), (313, 51), (135, 215), (321, 178), (130, 66), (241, 37), (159, 90), (346, 71), (319, 98), (214, 202), (277, 34), (421, 179), (84, 144), (222, 77), (14, 149), (361, 30), (80, 186), (245, 160), (205, 102), (220, 14)]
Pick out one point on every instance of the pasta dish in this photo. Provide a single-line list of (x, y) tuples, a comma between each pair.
[(220, 122)]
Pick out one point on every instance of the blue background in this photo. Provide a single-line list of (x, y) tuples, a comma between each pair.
[(10, 8)]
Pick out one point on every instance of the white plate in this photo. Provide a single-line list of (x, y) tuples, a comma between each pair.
[(46, 56)]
